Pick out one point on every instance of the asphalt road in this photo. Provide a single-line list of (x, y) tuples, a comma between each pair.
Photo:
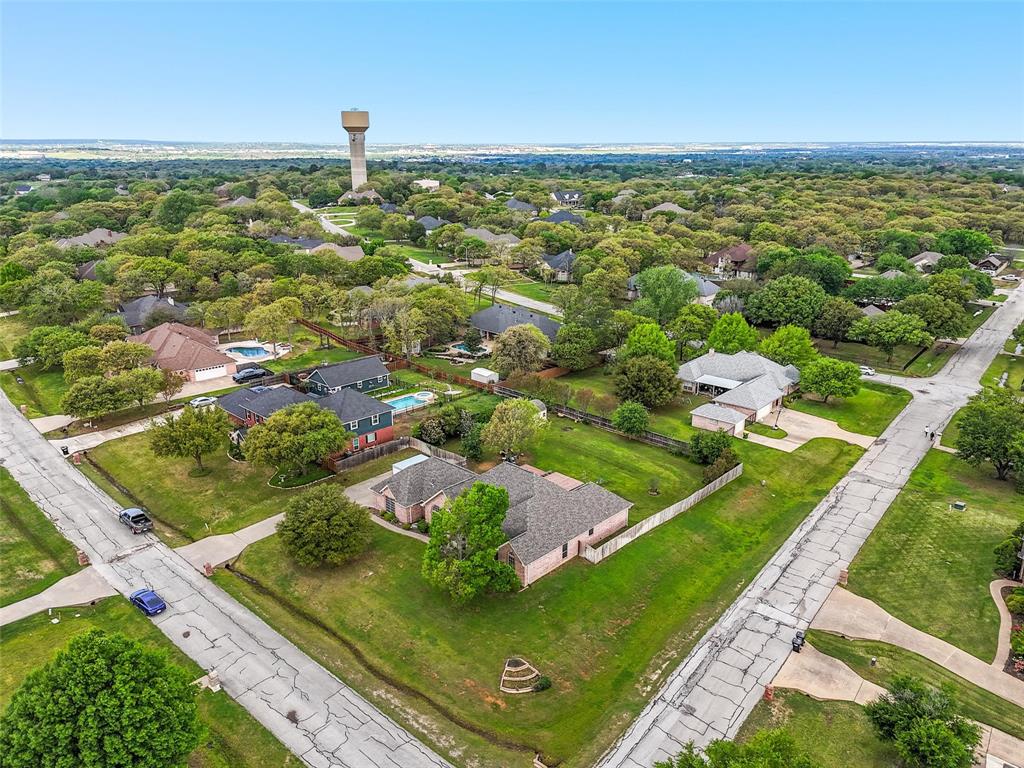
[(712, 692), (275, 681)]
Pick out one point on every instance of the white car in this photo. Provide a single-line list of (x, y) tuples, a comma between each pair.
[(867, 371), (202, 402), (1010, 278)]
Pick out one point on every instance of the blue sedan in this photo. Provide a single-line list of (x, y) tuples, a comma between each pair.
[(148, 601)]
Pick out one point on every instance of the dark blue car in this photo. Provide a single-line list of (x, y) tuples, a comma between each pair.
[(148, 601)]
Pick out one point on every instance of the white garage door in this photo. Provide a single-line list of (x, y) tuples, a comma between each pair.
[(202, 374)]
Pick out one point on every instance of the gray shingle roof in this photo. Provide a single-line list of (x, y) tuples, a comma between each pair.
[(350, 371), (718, 413), (351, 405), (299, 242), (423, 481), (519, 205), (489, 237), (498, 318), (667, 208), (561, 262), (263, 403), (137, 310), (431, 222), (742, 366), (754, 394), (563, 217)]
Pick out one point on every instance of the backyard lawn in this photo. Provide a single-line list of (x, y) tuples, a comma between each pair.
[(835, 734), (606, 635), (13, 329), (868, 412), (931, 566), (425, 255), (41, 392), (975, 703), (1011, 366), (234, 739), (33, 555)]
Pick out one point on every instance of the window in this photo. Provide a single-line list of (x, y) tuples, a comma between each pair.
[(375, 419), (389, 504), (511, 559), (355, 443), (565, 550), (590, 532), (353, 425), (371, 437)]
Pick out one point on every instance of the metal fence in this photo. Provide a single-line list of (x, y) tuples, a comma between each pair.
[(597, 554)]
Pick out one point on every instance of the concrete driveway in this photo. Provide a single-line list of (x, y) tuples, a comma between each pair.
[(801, 427)]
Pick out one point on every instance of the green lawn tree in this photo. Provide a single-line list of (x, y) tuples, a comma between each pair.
[(787, 300), (47, 344), (1018, 334), (193, 433), (139, 385), (664, 290), (324, 527), (81, 362), (789, 345), (969, 243), (296, 437), (891, 330), (520, 349), (464, 536), (828, 377), (648, 340), (943, 318), (574, 347), (647, 380), (767, 749), (631, 418), (93, 396), (954, 286), (693, 324), (104, 700), (404, 332), (514, 424), (989, 425), (707, 446), (733, 334), (836, 318)]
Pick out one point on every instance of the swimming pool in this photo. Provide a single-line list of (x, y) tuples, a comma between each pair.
[(407, 402), (461, 346), (248, 351)]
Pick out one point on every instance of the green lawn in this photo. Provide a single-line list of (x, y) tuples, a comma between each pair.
[(41, 393), (931, 566), (835, 734), (928, 363), (1010, 346), (33, 555), (868, 412), (605, 634), (766, 430), (1010, 365), (952, 430), (13, 329), (445, 366), (975, 703), (424, 254), (976, 315), (234, 739), (309, 356), (932, 361), (534, 290)]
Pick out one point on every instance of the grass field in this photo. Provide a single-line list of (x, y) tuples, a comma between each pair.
[(535, 290), (1010, 365), (931, 566), (868, 412), (309, 356), (13, 329), (606, 635), (930, 362), (835, 734), (952, 430), (41, 392), (33, 555), (234, 739), (975, 703), (424, 254)]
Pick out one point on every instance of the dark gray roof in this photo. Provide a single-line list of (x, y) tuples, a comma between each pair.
[(351, 405), (137, 310), (567, 196), (519, 205), (263, 403), (351, 371), (87, 271), (563, 217), (431, 222), (389, 207), (498, 318), (298, 242), (423, 481), (561, 262)]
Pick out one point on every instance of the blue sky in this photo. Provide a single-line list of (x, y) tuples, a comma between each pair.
[(480, 72)]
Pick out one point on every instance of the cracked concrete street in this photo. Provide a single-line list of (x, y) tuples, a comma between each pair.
[(711, 693), (270, 677)]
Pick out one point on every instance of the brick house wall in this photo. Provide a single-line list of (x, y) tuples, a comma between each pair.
[(703, 422), (545, 564)]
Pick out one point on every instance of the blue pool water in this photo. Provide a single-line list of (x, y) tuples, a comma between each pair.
[(248, 351), (407, 401)]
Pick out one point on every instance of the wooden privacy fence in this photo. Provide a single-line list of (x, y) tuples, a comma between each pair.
[(340, 465), (613, 545), (651, 438)]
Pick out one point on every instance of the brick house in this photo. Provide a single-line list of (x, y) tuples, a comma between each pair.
[(736, 261), (550, 519), (364, 374), (187, 351)]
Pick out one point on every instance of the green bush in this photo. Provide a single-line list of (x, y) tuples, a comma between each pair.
[(542, 684), (726, 460), (706, 447), (422, 526), (1015, 601)]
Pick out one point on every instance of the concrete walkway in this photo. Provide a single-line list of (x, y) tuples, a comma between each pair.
[(1005, 621), (10, 365), (92, 439), (502, 296), (49, 423), (827, 679), (219, 549), (802, 427), (853, 616), (77, 589)]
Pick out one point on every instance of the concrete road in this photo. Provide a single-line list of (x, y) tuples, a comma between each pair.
[(314, 714), (711, 693), (327, 224), (506, 297)]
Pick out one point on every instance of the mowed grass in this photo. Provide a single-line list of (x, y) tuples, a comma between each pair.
[(534, 290), (868, 412), (233, 740), (33, 554), (606, 635), (425, 255), (13, 329), (1010, 366), (41, 392), (835, 734), (927, 363), (974, 702), (931, 566)]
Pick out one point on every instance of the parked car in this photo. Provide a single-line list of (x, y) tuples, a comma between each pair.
[(866, 370), (147, 601), (248, 374), (136, 520), (1010, 278), (204, 401)]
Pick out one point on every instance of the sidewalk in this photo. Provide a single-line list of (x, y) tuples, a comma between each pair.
[(219, 549), (92, 439), (853, 616), (77, 589), (802, 427)]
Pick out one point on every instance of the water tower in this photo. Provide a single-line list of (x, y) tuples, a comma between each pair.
[(355, 122)]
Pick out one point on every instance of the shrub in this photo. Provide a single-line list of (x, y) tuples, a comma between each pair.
[(422, 526), (1015, 601), (1007, 556), (631, 418), (726, 460), (473, 444), (542, 684), (323, 526), (706, 447), (431, 430)]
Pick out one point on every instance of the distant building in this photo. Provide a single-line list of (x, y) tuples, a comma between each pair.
[(871, 311), (92, 239), (349, 253), (187, 351), (363, 374), (925, 261), (430, 223), (498, 318), (122, 190), (240, 201), (43, 177), (489, 237), (388, 207), (994, 263), (678, 210), (736, 261), (706, 290), (564, 217), (136, 312), (367, 196), (569, 198), (429, 185), (519, 205), (22, 189), (87, 271), (561, 265)]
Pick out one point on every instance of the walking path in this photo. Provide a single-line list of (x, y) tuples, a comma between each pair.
[(10, 365), (219, 549), (77, 589), (49, 423), (92, 439), (825, 678), (327, 224), (710, 694), (854, 616), (1005, 621), (502, 295), (314, 714), (802, 427)]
